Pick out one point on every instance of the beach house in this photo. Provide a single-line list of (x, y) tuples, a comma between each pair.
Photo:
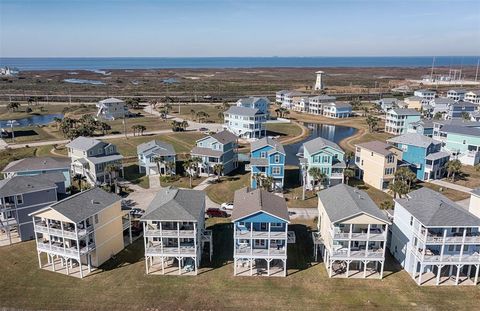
[(377, 163), (441, 105), (260, 233), (353, 231), (436, 240), (325, 155), (267, 160), (456, 94), (427, 94), (461, 109), (423, 153), (463, 142), (174, 232), (388, 103), (424, 127), (280, 96), (112, 109), (81, 232), (156, 157), (39, 165), (21, 195), (260, 103), (290, 98), (337, 110), (218, 148), (416, 102), (93, 158), (316, 103), (397, 121), (249, 123), (473, 97)]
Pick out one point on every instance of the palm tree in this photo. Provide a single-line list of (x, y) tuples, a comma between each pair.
[(184, 125), (406, 175), (399, 187), (170, 165), (111, 170), (80, 179), (141, 128), (372, 123), (134, 130), (105, 127), (348, 173), (13, 106), (453, 167), (317, 175), (187, 166), (349, 156), (218, 170)]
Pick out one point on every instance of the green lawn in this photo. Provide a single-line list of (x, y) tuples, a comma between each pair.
[(181, 181), (123, 285), (212, 110), (224, 190), (132, 175)]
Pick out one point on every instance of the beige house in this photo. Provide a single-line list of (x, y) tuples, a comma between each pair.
[(352, 233), (81, 232), (415, 102), (377, 163), (474, 207)]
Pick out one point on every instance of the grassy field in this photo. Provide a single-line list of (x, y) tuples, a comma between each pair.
[(132, 175), (68, 110), (223, 191), (151, 123), (453, 195), (186, 113), (469, 177), (182, 182), (9, 155), (121, 284)]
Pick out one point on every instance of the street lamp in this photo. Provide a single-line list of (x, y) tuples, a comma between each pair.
[(11, 123)]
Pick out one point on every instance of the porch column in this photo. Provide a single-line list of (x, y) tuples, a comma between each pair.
[(179, 265), (196, 266), (80, 264), (163, 264), (268, 267), (39, 259), (365, 263), (477, 267), (469, 271), (458, 273), (284, 267), (146, 263), (68, 268), (234, 266), (450, 272), (89, 262), (330, 267), (382, 265), (348, 267), (130, 227), (53, 263), (251, 266), (420, 275)]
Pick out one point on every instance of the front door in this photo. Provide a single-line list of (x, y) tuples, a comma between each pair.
[(259, 244), (263, 226)]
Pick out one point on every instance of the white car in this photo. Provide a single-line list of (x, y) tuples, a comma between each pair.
[(227, 206)]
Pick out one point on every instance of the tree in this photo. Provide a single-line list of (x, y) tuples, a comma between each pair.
[(218, 170), (438, 115), (141, 128), (317, 175), (13, 106), (167, 107), (79, 178), (105, 127), (405, 175), (349, 156), (348, 173), (263, 181), (398, 187), (191, 166), (372, 123), (453, 167), (111, 170), (465, 116), (386, 205), (184, 125)]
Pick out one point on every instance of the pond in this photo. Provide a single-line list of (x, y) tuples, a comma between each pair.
[(334, 133), (32, 120), (84, 81)]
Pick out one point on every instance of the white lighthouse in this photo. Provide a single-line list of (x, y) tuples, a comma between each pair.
[(319, 82)]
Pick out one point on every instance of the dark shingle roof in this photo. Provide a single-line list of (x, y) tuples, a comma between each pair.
[(342, 202), (24, 184), (37, 164), (206, 151), (248, 202), (176, 205), (267, 141), (405, 112), (85, 204), (225, 137), (433, 209)]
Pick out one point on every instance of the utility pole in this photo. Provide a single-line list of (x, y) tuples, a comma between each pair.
[(125, 124), (476, 73)]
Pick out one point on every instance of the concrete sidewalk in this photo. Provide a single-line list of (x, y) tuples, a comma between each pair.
[(450, 185)]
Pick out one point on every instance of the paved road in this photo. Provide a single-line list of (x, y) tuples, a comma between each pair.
[(450, 185)]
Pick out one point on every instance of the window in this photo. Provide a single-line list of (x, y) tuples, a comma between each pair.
[(276, 225), (371, 153), (19, 199), (263, 154), (259, 243), (277, 158), (276, 170), (404, 147), (389, 170), (96, 218), (411, 220)]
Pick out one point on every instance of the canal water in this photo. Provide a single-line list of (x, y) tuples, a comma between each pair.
[(334, 133), (32, 120)]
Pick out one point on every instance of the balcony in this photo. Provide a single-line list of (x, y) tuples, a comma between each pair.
[(336, 175), (62, 250), (169, 233), (8, 222), (437, 238), (56, 230), (430, 256), (170, 251), (376, 234), (246, 250), (357, 253), (245, 234)]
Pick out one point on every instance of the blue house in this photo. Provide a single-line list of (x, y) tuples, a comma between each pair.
[(457, 109), (260, 233), (423, 154), (267, 158)]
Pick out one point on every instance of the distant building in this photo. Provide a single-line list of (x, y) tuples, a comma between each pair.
[(473, 97), (260, 103), (436, 240), (397, 121), (260, 233), (377, 163), (247, 123), (111, 109), (388, 103), (423, 154), (441, 105), (326, 156), (267, 158), (353, 231), (37, 166), (462, 142), (290, 98), (280, 96), (416, 102), (81, 232), (91, 157), (427, 94), (456, 94), (174, 232), (316, 103), (458, 109), (424, 127), (219, 148), (319, 81), (21, 195), (156, 154), (337, 110)]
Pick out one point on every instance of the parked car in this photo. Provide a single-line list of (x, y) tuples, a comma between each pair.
[(227, 206), (216, 212), (203, 129)]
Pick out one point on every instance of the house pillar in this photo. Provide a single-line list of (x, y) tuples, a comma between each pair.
[(477, 267), (179, 264), (235, 262), (284, 267), (80, 265), (68, 268), (146, 264), (365, 263), (450, 272), (268, 267), (420, 275), (39, 259), (469, 271), (348, 267), (53, 263), (382, 265), (89, 262), (439, 272), (196, 266), (251, 266), (458, 274)]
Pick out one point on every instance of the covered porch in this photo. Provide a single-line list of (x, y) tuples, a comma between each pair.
[(167, 265), (450, 275), (260, 267)]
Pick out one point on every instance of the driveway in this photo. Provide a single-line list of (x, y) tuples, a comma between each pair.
[(450, 185), (192, 125), (303, 213)]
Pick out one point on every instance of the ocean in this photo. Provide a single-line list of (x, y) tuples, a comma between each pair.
[(98, 63)]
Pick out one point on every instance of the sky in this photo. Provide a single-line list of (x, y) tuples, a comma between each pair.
[(213, 28)]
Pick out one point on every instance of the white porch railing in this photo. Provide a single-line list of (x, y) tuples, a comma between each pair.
[(244, 234), (159, 250), (169, 233), (239, 250), (358, 254)]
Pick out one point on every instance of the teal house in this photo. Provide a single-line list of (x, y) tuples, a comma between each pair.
[(462, 142), (267, 157), (327, 156)]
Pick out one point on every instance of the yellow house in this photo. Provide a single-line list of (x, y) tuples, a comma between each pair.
[(353, 233), (377, 163), (415, 102), (81, 232)]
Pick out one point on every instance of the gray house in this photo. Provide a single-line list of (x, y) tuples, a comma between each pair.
[(22, 195), (219, 148), (150, 151), (39, 165)]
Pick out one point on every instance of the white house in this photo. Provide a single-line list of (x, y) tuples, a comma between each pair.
[(316, 103), (456, 94), (154, 151), (427, 94), (473, 97), (111, 109), (290, 98), (246, 122), (260, 103), (436, 240)]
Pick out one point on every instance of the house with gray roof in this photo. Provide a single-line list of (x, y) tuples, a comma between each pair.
[(92, 158), (174, 232), (397, 121), (156, 157), (267, 163), (337, 110), (316, 103), (38, 165), (353, 233), (473, 96), (112, 109), (218, 148), (21, 195), (260, 233), (436, 240), (260, 103), (81, 232), (246, 122)]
